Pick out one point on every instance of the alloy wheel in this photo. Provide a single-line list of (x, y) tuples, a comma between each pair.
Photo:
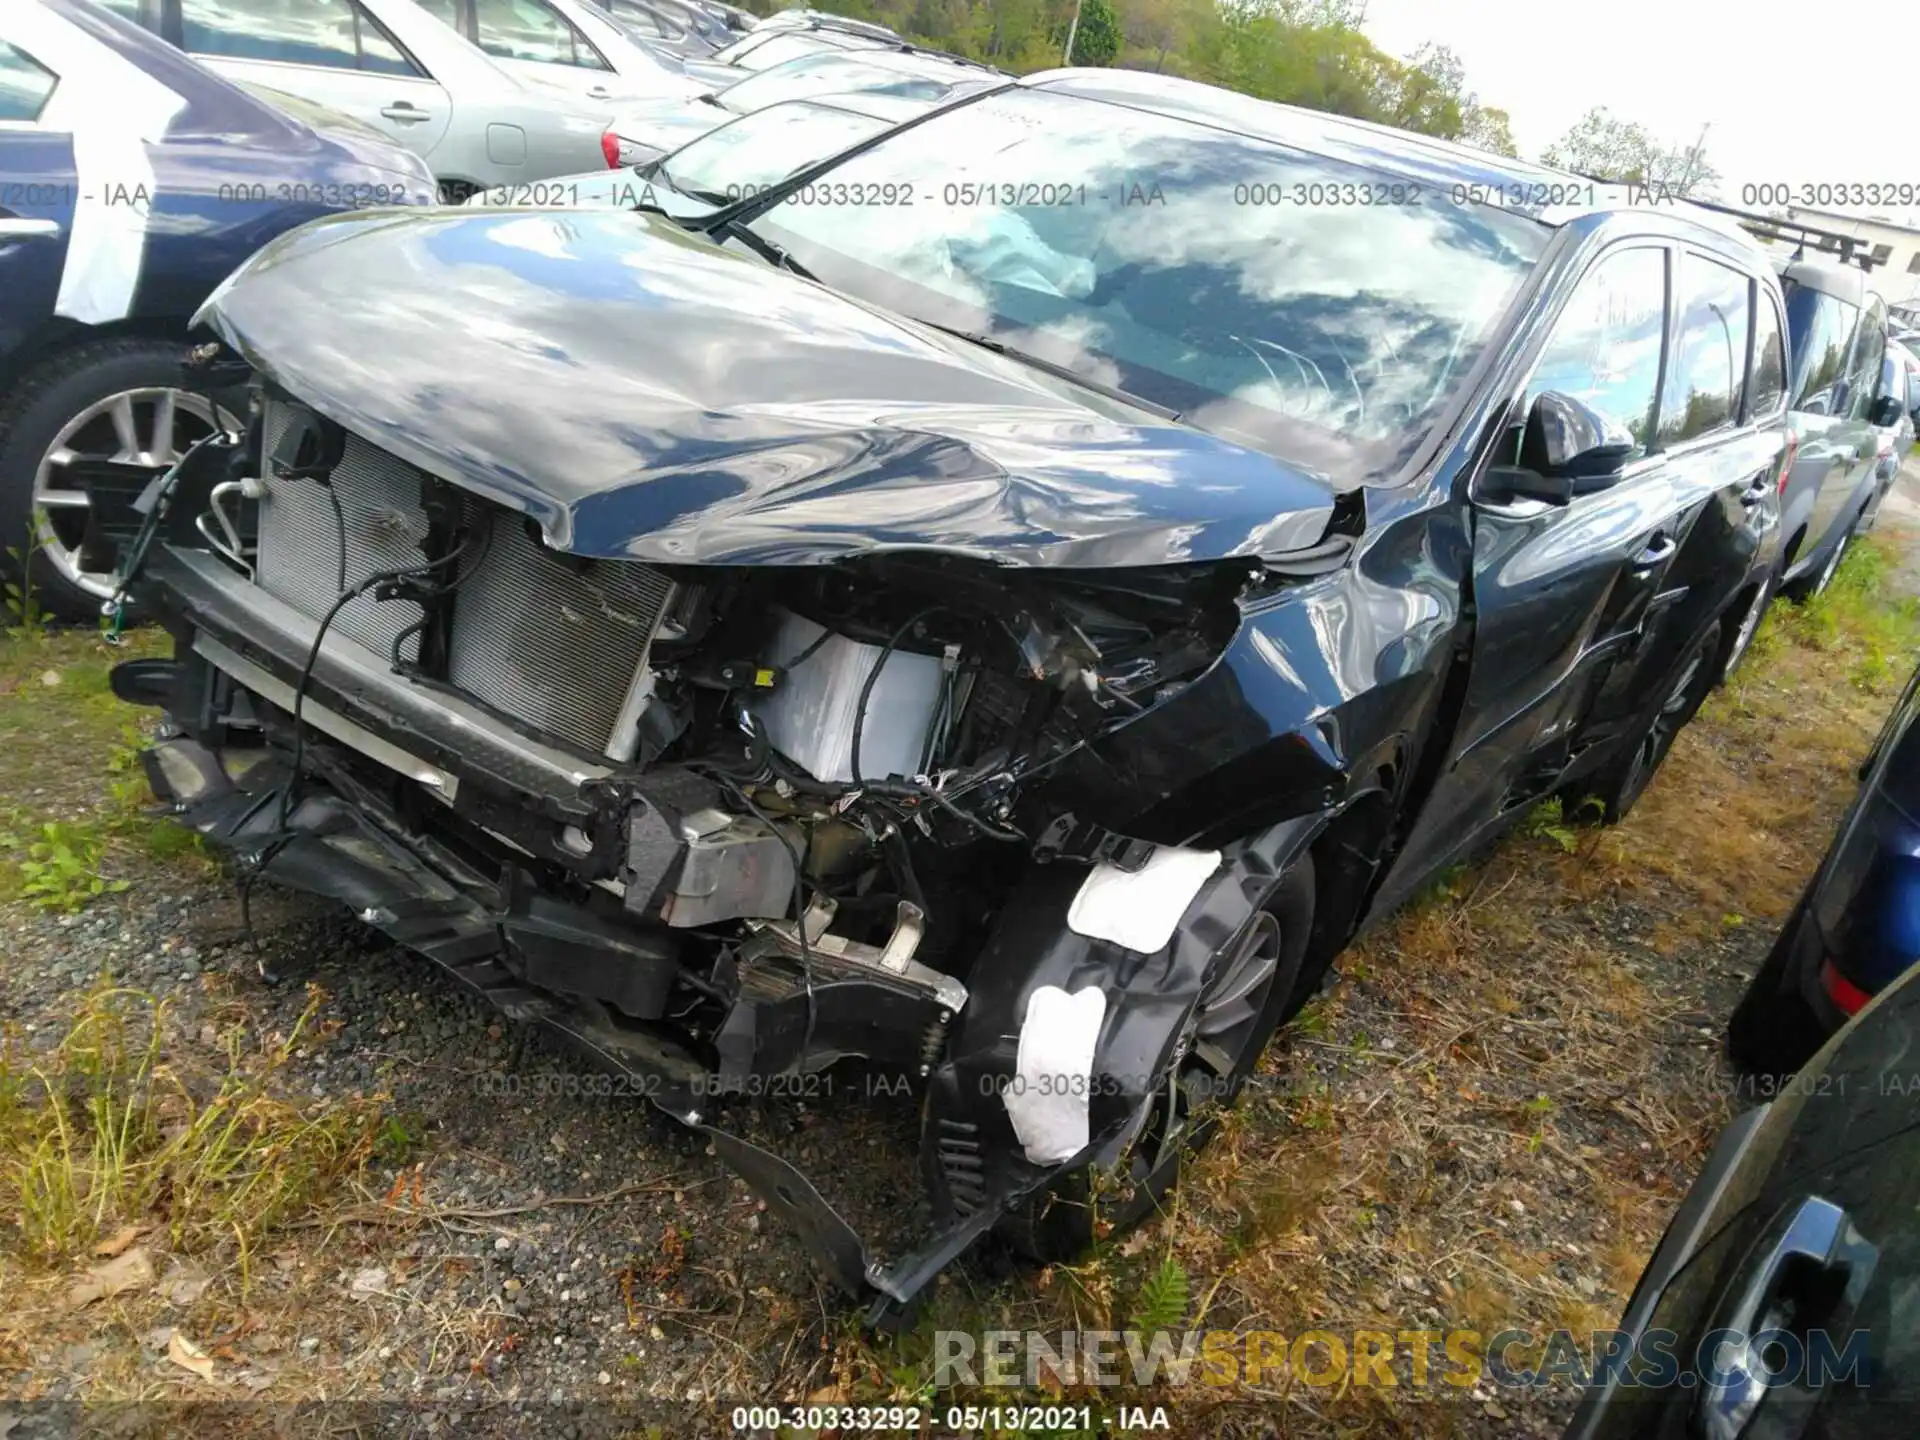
[(1673, 713), (1832, 567), (1749, 627), (144, 431)]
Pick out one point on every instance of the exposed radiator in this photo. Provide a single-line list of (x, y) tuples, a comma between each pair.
[(548, 640), (380, 512)]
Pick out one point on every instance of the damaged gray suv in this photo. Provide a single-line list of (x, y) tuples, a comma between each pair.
[(1003, 606)]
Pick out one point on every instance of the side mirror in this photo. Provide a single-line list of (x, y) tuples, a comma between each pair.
[(1565, 436), (1884, 411), (1567, 448)]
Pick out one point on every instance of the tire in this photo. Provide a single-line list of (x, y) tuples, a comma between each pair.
[(48, 416), (1614, 789), (1773, 1030), (1081, 1208)]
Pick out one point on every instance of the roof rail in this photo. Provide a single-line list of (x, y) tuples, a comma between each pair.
[(1848, 249)]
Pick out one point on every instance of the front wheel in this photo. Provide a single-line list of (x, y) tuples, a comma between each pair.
[(1614, 789), (1249, 983)]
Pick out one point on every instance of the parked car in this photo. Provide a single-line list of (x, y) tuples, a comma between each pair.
[(1780, 1300), (1899, 381), (1857, 927), (1837, 332), (656, 130), (735, 162), (761, 50), (134, 182), (394, 66), (967, 610), (569, 44), (680, 29), (801, 18)]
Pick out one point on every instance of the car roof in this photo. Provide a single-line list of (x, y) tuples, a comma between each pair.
[(1843, 282)]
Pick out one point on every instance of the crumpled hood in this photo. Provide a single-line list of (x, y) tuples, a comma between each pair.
[(645, 394)]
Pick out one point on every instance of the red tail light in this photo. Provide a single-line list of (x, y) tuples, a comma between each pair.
[(1842, 991), (610, 147), (1786, 461)]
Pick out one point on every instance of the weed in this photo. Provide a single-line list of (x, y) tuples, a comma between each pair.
[(1163, 1299), (61, 869), (1548, 821), (22, 597), (399, 1137), (99, 1131)]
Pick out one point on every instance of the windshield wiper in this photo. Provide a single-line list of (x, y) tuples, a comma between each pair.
[(763, 247), (1063, 372)]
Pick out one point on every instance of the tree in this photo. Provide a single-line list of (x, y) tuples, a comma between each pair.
[(1096, 39), (1486, 127), (1607, 148)]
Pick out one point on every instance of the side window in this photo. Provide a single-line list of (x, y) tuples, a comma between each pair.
[(1821, 327), (447, 12), (1604, 349), (1869, 346), (640, 21), (1708, 372), (25, 84), (380, 53), (332, 34), (528, 30), (294, 32), (129, 8), (1769, 359)]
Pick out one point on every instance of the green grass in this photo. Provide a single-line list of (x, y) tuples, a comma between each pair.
[(65, 837)]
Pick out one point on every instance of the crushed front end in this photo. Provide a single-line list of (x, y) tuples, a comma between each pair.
[(708, 824)]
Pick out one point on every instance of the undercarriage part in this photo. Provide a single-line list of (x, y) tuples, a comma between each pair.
[(803, 1008), (730, 866), (571, 950), (331, 847)]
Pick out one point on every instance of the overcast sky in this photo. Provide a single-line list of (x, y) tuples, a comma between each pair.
[(1810, 97)]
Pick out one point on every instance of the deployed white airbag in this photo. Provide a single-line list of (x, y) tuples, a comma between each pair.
[(1141, 909), (1053, 1072)]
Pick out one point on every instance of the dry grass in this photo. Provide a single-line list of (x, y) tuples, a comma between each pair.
[(98, 1132)]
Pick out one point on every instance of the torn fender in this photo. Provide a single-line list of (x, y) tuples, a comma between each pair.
[(971, 1156)]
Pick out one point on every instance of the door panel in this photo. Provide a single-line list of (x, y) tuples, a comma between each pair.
[(37, 184), (1559, 592), (328, 51)]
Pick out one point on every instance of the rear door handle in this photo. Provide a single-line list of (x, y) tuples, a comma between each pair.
[(1658, 552), (19, 227), (400, 110)]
